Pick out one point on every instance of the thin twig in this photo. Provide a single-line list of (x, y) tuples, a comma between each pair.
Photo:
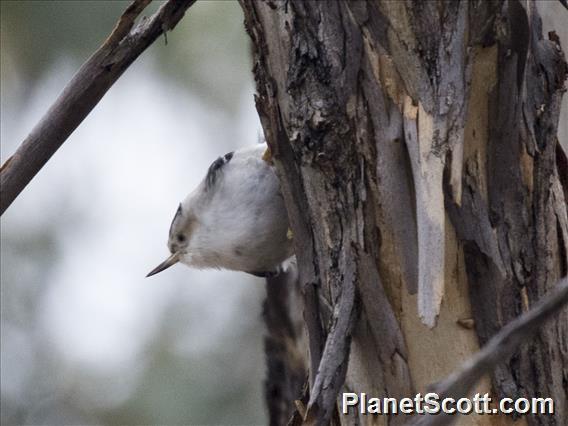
[(95, 77), (497, 350)]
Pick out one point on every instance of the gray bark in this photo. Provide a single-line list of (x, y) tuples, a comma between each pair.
[(416, 144)]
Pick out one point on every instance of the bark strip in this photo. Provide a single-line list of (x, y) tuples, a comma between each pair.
[(335, 358)]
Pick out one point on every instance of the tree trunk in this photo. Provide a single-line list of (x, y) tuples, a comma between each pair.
[(416, 144)]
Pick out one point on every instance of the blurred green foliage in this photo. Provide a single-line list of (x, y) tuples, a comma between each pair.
[(207, 51)]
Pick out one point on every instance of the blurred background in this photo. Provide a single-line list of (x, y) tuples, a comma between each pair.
[(85, 338)]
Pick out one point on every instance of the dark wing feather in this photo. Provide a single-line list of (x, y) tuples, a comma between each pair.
[(178, 213), (214, 169)]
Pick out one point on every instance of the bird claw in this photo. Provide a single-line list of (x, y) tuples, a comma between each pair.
[(265, 274), (267, 156), (289, 234)]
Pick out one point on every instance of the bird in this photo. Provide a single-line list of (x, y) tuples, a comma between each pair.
[(234, 219)]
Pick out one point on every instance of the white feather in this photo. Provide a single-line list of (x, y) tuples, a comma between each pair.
[(238, 222)]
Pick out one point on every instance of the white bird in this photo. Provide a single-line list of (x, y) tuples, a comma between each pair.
[(235, 218)]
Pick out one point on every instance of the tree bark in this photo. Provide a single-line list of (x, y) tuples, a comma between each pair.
[(285, 358), (416, 144)]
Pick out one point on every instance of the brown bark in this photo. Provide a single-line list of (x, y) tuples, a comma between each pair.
[(285, 359), (417, 150)]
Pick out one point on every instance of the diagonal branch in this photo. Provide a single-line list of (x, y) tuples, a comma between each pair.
[(497, 350), (95, 77)]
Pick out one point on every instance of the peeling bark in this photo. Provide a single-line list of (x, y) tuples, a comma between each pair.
[(416, 147)]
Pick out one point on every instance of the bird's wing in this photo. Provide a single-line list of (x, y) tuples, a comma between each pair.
[(214, 169)]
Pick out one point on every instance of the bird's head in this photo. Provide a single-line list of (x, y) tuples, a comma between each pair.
[(179, 239)]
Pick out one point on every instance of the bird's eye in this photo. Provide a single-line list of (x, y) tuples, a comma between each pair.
[(180, 238)]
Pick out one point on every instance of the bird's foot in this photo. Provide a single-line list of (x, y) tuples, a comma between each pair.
[(267, 156)]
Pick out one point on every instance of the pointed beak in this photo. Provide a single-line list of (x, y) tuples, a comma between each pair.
[(173, 259)]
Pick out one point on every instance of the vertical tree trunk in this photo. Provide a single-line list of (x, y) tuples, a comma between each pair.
[(416, 144)]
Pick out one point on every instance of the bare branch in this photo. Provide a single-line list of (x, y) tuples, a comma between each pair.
[(95, 77), (126, 22), (497, 350)]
